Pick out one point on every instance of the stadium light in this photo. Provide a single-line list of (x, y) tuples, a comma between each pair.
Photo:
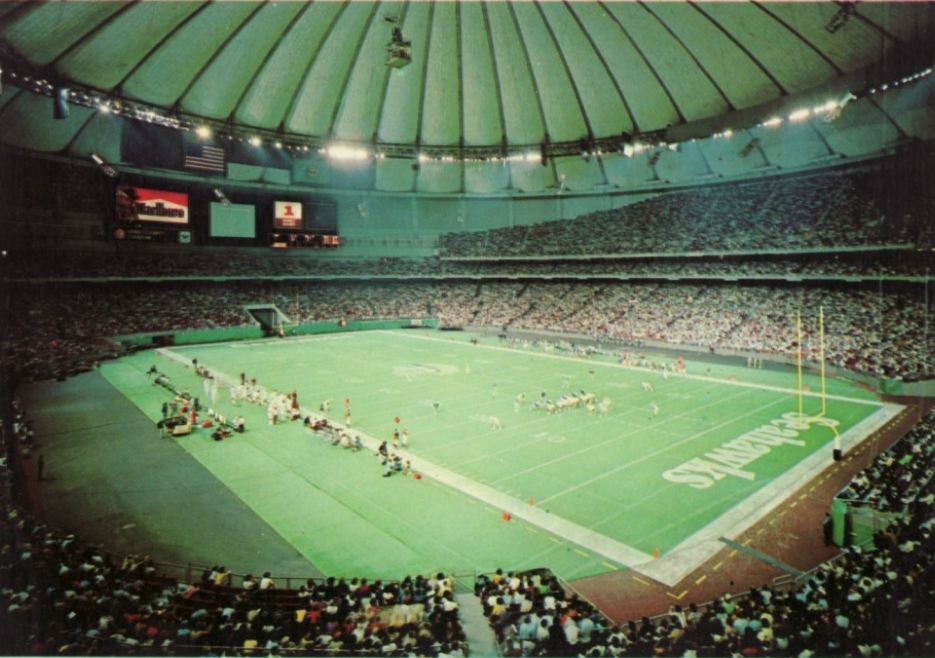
[(800, 115), (344, 152), (772, 122), (109, 171), (203, 132), (220, 196), (830, 106), (255, 141)]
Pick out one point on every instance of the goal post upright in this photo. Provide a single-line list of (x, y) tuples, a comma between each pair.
[(798, 326), (821, 353)]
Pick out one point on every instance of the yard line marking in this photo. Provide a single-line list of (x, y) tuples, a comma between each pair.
[(542, 420), (640, 580), (649, 455), (679, 597), (718, 565), (701, 580), (609, 565), (601, 444), (619, 366), (581, 553)]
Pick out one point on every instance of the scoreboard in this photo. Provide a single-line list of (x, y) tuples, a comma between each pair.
[(304, 239), (305, 224)]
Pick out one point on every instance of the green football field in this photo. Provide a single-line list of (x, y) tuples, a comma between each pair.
[(585, 493)]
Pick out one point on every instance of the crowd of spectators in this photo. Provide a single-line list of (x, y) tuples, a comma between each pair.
[(823, 210), (892, 264), (882, 334), (872, 600), (175, 261), (896, 477), (532, 614), (213, 264)]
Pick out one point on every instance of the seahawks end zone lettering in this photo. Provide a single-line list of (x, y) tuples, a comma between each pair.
[(731, 457)]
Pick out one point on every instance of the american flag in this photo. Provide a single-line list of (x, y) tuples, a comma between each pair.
[(204, 157)]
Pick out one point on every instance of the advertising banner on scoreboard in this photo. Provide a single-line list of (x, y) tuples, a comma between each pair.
[(288, 215), (141, 204)]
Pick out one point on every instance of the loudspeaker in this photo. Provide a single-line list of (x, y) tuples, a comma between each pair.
[(60, 103)]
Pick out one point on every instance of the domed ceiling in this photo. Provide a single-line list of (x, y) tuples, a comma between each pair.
[(482, 74), (482, 90)]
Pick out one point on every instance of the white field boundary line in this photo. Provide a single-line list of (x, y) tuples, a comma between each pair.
[(699, 547), (584, 537), (649, 371), (274, 342)]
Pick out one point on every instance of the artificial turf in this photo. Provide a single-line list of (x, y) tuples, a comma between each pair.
[(603, 472)]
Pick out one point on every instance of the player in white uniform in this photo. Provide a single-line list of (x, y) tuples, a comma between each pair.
[(518, 401), (604, 407)]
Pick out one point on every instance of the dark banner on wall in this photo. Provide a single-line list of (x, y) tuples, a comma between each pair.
[(148, 145)]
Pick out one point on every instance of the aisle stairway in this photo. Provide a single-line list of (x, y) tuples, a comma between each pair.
[(480, 637)]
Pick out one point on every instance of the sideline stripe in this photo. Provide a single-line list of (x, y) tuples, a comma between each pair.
[(580, 535), (619, 366)]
